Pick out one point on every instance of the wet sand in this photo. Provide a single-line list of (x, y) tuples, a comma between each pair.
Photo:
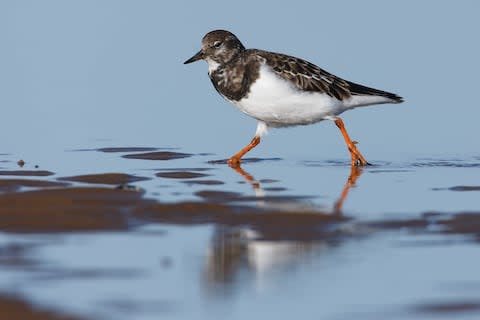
[(180, 175), (27, 173), (16, 184), (247, 215), (105, 178), (14, 308), (159, 155)]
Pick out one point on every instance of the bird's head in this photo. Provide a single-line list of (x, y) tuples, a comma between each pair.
[(218, 48)]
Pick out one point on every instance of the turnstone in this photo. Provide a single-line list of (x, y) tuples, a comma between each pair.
[(280, 90)]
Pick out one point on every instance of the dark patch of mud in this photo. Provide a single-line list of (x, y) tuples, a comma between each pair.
[(105, 178), (28, 173), (227, 196), (183, 169), (271, 224), (419, 223), (126, 149), (263, 181), (218, 196), (275, 189), (455, 163), (467, 223), (460, 223), (96, 209), (448, 307), (11, 185), (67, 209), (160, 155), (180, 175), (16, 308), (120, 149), (100, 208), (49, 274), (204, 182), (459, 188), (17, 255)]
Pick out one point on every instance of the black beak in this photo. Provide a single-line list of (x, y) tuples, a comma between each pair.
[(196, 57)]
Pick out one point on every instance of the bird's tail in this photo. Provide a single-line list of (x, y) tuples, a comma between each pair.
[(358, 89)]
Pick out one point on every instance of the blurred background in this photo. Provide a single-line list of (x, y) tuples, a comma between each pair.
[(77, 74)]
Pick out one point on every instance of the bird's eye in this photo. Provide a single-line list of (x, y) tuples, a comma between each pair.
[(217, 44)]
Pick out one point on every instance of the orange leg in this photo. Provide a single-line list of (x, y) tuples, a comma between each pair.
[(234, 161), (357, 158)]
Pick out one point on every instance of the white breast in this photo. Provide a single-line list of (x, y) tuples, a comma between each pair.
[(279, 103)]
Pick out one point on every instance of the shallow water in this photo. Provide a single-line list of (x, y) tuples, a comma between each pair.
[(187, 238), (116, 202)]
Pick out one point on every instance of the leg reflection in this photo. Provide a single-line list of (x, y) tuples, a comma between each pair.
[(282, 234), (248, 178), (355, 173)]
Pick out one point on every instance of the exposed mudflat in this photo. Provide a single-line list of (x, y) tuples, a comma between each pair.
[(75, 245)]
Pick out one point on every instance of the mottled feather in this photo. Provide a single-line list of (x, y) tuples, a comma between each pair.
[(233, 69), (309, 77)]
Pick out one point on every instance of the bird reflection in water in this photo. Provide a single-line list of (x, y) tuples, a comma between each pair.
[(289, 232)]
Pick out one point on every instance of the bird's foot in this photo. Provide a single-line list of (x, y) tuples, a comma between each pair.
[(360, 162), (234, 162)]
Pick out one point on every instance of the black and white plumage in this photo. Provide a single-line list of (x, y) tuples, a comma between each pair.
[(280, 90)]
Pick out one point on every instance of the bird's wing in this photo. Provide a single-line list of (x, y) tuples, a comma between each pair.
[(308, 77)]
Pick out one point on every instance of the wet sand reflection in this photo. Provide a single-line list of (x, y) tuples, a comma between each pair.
[(261, 193), (257, 249), (261, 228)]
